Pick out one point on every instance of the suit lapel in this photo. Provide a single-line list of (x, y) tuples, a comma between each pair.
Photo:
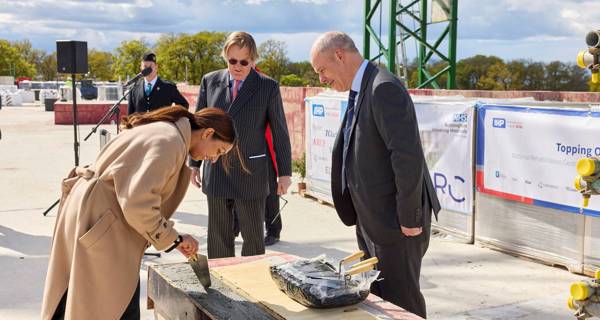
[(220, 87), (139, 92), (363, 85), (156, 87), (248, 88)]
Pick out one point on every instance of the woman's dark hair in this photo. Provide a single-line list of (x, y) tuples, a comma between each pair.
[(217, 119)]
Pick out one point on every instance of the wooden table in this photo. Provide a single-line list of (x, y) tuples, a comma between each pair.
[(174, 292)]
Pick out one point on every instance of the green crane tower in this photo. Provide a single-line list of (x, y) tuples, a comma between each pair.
[(442, 12)]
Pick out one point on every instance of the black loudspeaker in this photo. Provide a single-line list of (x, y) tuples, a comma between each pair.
[(71, 57)]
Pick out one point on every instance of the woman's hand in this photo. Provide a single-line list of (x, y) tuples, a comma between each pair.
[(188, 246), (195, 179)]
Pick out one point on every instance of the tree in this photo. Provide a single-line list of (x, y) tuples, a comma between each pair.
[(11, 62), (470, 71), (293, 80), (203, 53), (273, 58), (305, 71), (173, 63), (100, 65), (128, 58), (29, 54), (565, 77), (47, 69), (534, 77)]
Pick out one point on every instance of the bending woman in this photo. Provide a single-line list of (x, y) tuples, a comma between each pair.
[(111, 211)]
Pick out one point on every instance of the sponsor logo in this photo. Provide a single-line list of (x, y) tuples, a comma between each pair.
[(460, 118), (318, 110), (499, 122)]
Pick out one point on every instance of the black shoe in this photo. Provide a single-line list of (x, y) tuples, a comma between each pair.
[(271, 240)]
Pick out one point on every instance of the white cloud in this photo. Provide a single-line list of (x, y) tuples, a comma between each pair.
[(509, 27)]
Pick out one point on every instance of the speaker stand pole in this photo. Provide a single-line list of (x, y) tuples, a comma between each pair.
[(75, 135)]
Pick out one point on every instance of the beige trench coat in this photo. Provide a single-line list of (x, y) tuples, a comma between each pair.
[(109, 213)]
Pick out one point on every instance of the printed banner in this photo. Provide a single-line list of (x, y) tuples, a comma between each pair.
[(529, 154), (447, 137)]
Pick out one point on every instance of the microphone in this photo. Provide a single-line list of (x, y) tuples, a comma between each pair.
[(144, 73)]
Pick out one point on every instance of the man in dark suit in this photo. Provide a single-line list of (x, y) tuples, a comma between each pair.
[(152, 92), (380, 181), (253, 100)]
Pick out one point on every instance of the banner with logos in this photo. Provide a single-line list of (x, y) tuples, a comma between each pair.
[(528, 154), (324, 115), (447, 137)]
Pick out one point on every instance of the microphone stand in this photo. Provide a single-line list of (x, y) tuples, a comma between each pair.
[(113, 110)]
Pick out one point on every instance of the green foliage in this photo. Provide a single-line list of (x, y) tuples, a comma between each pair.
[(293, 80), (47, 70), (128, 58), (299, 166), (273, 59), (186, 57), (12, 63), (305, 71), (100, 65)]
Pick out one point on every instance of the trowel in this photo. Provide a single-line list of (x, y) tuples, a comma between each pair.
[(199, 264)]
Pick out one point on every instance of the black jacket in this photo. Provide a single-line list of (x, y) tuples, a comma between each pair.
[(388, 180), (164, 93), (258, 102)]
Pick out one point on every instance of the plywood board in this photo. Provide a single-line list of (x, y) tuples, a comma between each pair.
[(254, 280)]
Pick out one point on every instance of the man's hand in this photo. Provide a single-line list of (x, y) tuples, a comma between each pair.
[(283, 184), (188, 246), (195, 178), (411, 232)]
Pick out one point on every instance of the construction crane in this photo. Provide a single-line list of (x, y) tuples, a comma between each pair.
[(398, 15)]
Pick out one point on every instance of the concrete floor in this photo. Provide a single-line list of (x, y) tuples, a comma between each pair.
[(459, 281)]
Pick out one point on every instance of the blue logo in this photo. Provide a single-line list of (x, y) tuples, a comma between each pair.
[(499, 123), (497, 174), (318, 110), (461, 117)]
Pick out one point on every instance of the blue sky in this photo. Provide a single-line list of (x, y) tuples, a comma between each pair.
[(512, 29)]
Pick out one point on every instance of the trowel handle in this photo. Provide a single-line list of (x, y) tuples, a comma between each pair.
[(370, 261), (355, 256), (359, 269)]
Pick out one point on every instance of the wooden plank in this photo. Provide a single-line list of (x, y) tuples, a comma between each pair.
[(254, 279)]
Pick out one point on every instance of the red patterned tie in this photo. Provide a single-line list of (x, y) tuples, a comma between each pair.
[(236, 84)]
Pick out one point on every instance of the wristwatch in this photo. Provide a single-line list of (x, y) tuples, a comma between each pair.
[(176, 243)]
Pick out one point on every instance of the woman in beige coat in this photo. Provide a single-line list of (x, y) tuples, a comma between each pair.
[(111, 211)]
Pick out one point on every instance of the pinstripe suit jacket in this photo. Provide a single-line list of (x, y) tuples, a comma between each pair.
[(258, 102)]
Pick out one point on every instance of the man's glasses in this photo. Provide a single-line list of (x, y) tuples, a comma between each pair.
[(285, 202), (233, 62)]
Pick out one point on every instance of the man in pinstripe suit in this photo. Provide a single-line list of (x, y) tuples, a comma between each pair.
[(252, 99)]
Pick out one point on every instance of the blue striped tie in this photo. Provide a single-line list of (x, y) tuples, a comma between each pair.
[(347, 128)]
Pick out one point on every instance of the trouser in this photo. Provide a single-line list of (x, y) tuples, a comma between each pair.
[(272, 224), (221, 237), (132, 312), (400, 267)]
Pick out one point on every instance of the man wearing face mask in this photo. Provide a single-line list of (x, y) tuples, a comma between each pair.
[(152, 92), (253, 100)]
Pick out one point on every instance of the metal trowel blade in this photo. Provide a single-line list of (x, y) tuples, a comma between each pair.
[(199, 264)]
